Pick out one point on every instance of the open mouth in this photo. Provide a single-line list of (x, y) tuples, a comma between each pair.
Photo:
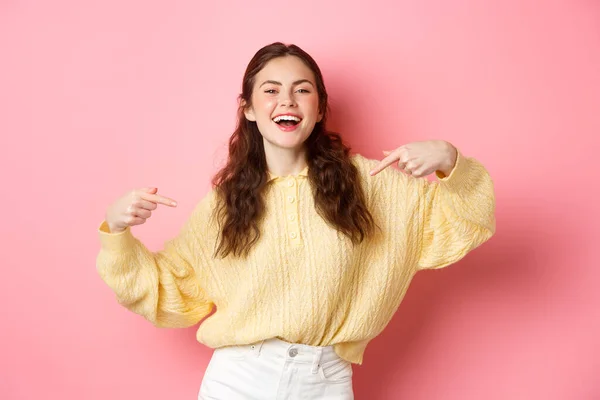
[(287, 120)]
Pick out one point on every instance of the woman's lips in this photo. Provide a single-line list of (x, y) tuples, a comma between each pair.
[(287, 128)]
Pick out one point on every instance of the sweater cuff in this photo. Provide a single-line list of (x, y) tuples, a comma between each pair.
[(459, 174), (118, 242)]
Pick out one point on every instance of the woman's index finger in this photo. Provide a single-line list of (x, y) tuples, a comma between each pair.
[(156, 198)]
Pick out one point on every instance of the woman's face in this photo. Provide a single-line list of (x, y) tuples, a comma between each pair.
[(284, 103)]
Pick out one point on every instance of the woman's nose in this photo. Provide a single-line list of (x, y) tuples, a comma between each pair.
[(287, 101)]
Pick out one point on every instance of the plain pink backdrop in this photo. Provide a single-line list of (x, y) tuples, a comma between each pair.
[(100, 97)]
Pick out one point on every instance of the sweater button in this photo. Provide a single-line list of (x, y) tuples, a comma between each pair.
[(293, 352), (291, 199), (292, 217), (290, 183), (293, 235)]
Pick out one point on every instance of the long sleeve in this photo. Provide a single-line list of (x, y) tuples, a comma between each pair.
[(457, 213), (446, 218), (162, 286)]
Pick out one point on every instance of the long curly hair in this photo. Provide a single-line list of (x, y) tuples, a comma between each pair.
[(334, 180)]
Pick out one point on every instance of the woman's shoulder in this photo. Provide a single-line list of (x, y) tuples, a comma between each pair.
[(205, 205), (363, 163), (386, 177)]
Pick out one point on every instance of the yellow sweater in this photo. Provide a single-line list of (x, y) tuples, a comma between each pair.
[(303, 281)]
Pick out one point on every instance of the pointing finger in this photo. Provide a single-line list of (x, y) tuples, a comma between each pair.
[(386, 162), (159, 199)]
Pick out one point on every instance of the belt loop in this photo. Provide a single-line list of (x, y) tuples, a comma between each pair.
[(317, 360)]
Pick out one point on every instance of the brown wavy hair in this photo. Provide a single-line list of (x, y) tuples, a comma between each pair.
[(337, 192)]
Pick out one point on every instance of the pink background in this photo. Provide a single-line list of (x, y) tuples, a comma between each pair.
[(97, 98)]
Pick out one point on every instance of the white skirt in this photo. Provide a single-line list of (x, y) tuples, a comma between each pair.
[(274, 369)]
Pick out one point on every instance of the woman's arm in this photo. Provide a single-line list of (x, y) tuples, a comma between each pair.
[(449, 216), (162, 286)]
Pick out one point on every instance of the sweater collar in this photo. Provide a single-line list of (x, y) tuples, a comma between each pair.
[(272, 176)]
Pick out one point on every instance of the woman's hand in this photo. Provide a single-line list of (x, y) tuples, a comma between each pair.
[(134, 208), (421, 158)]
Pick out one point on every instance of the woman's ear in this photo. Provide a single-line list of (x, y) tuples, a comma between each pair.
[(248, 111)]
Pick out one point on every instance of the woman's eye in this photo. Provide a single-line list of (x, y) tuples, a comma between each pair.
[(270, 91), (303, 91)]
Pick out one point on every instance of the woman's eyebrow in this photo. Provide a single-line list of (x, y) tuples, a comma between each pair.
[(294, 83)]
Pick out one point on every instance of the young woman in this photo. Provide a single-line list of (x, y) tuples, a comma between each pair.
[(305, 249)]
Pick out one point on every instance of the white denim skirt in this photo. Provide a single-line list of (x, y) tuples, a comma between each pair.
[(274, 369)]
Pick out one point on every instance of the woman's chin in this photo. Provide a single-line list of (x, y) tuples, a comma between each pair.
[(290, 143)]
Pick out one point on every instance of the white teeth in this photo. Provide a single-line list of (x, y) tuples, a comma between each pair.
[(286, 118)]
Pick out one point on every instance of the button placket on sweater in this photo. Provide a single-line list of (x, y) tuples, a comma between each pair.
[(290, 189)]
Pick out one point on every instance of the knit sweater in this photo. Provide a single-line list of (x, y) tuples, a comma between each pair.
[(303, 281)]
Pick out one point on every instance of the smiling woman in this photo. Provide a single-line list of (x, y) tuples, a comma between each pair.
[(292, 104), (305, 249), (285, 81)]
